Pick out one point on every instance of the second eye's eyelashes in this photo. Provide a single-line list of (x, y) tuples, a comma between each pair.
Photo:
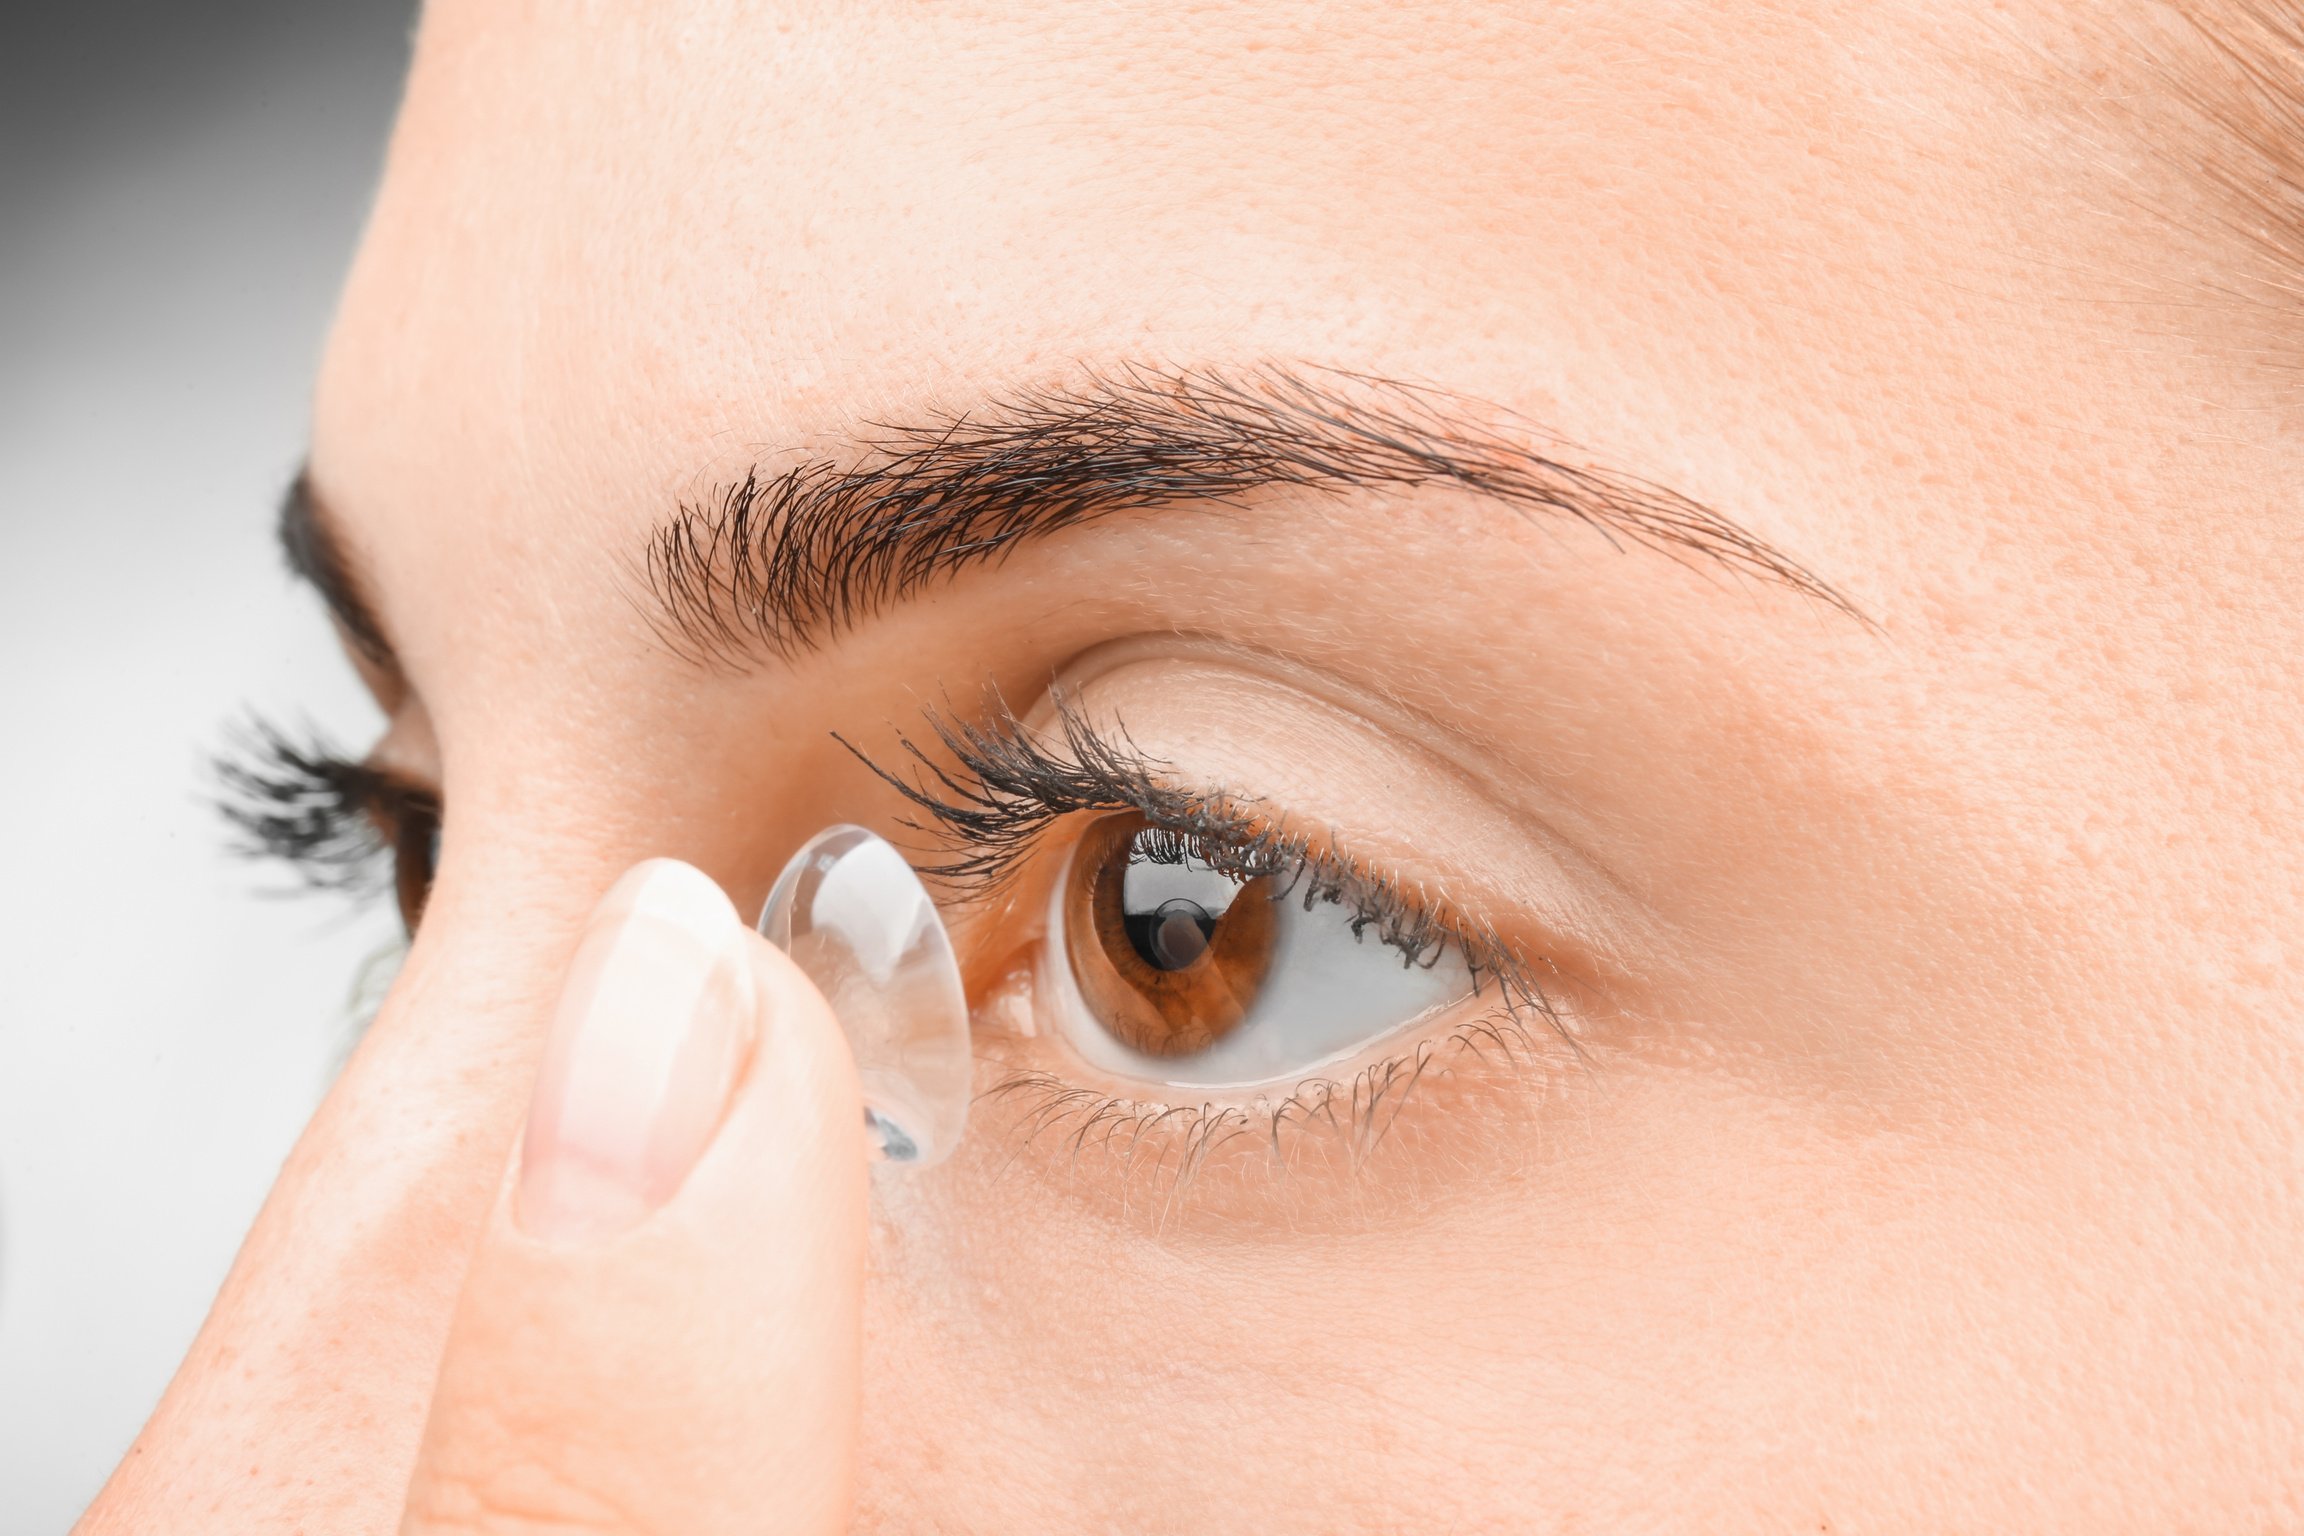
[(335, 821)]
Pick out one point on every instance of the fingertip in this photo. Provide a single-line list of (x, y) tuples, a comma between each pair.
[(803, 1057), (586, 1355), (655, 1020)]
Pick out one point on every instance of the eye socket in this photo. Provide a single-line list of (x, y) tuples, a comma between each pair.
[(1163, 966)]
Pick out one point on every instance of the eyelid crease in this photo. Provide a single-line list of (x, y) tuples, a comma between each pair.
[(1481, 764), (1462, 829)]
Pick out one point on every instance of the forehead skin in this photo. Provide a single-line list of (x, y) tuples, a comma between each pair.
[(1843, 272), (1745, 250)]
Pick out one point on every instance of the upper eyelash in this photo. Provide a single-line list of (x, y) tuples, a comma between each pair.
[(311, 808), (1010, 787)]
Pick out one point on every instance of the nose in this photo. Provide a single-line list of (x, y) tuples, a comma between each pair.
[(318, 1354)]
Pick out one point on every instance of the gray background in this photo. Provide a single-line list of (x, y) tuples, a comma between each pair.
[(181, 184)]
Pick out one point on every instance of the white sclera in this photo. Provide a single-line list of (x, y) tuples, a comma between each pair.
[(853, 916)]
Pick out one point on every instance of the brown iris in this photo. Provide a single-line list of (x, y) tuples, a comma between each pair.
[(1168, 953)]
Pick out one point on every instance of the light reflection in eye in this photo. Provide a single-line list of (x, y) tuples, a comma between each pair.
[(1164, 968)]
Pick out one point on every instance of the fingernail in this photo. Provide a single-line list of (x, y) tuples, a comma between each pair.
[(652, 1029)]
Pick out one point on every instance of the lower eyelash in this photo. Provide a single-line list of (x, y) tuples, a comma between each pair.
[(1084, 1115), (1163, 1150)]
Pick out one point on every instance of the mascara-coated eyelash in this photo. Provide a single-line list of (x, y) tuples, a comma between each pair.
[(1010, 786), (331, 819)]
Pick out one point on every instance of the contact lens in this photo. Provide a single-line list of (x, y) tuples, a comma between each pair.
[(853, 916)]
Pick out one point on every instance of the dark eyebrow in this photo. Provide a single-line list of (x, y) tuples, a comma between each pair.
[(315, 552), (781, 562)]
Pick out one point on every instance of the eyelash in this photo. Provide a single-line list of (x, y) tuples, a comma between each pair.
[(1011, 789), (1007, 788), (333, 820)]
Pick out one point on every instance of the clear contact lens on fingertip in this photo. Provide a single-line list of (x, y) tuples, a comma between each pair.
[(854, 917)]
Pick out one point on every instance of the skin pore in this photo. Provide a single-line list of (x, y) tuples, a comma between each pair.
[(1909, 846)]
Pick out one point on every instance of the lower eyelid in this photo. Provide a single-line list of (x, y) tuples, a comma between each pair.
[(1474, 1100)]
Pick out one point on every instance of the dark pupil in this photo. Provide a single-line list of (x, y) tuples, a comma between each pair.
[(1172, 935)]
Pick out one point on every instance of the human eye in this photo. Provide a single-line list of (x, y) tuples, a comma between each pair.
[(1178, 967), (1229, 958), (339, 823)]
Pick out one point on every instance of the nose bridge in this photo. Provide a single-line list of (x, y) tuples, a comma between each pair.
[(430, 1102), (337, 1308), (412, 1141), (475, 991)]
